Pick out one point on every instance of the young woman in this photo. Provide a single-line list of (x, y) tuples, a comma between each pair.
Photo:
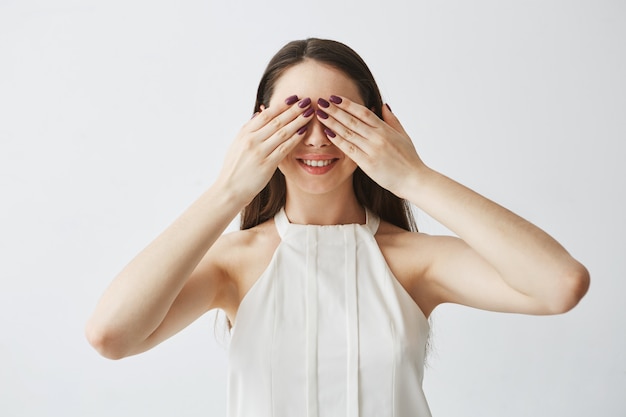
[(328, 286)]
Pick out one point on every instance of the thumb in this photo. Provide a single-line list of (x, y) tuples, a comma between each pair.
[(391, 119)]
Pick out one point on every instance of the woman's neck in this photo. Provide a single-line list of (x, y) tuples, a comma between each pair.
[(324, 209)]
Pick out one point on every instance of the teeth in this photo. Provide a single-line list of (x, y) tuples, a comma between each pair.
[(317, 163)]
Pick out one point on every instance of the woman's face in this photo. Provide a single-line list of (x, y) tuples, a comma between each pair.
[(316, 80)]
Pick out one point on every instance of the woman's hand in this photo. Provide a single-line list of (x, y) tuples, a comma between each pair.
[(261, 144), (382, 148)]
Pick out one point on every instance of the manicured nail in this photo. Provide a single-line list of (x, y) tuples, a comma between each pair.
[(388, 107), (323, 103), (304, 103), (291, 99), (302, 130), (335, 99), (329, 132), (308, 112), (322, 114)]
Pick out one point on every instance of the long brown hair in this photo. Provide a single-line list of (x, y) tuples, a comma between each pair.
[(271, 199)]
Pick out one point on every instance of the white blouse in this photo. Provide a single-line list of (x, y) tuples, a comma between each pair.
[(327, 330)]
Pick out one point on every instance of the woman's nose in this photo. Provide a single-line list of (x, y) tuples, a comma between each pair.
[(315, 136)]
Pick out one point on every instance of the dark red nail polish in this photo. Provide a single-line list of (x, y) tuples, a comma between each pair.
[(302, 130), (308, 112), (329, 132), (388, 107), (322, 114), (323, 103), (304, 103), (291, 99), (335, 99)]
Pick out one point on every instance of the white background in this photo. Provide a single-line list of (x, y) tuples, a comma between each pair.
[(115, 115)]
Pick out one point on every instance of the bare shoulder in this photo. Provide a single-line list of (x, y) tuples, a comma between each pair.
[(399, 247), (409, 256), (243, 255), (242, 239)]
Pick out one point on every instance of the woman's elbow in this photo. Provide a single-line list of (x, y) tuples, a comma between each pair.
[(105, 342), (572, 287)]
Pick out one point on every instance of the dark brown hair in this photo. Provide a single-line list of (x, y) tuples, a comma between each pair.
[(271, 199)]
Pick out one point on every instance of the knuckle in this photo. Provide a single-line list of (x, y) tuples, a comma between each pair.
[(282, 134), (364, 114), (352, 123), (276, 123), (282, 149)]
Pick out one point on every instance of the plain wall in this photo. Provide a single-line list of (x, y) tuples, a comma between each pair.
[(115, 116)]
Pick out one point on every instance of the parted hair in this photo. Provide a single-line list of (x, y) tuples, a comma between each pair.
[(369, 194)]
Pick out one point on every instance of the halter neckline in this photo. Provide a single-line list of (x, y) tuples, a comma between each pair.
[(283, 224)]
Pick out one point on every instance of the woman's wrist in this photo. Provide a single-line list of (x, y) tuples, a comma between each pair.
[(417, 182), (228, 196)]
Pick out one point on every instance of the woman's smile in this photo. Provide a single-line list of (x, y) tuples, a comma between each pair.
[(317, 164)]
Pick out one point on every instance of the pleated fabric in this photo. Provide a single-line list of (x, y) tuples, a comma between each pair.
[(327, 330)]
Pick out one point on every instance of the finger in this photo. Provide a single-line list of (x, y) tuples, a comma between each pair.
[(278, 148), (292, 132), (352, 115), (283, 118), (344, 124), (337, 131), (281, 151), (262, 117), (348, 147), (265, 114)]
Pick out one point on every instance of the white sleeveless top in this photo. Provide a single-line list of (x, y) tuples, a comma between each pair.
[(327, 330)]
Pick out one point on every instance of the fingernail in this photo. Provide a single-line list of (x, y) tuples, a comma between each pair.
[(304, 103), (323, 103), (308, 112), (254, 115), (302, 130), (388, 107), (335, 99), (322, 114), (329, 132), (291, 99)]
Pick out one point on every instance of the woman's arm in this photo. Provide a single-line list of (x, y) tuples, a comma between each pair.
[(497, 247), (501, 261), (176, 278), (137, 302)]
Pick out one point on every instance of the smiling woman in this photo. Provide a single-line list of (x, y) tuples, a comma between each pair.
[(329, 285), (308, 68)]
